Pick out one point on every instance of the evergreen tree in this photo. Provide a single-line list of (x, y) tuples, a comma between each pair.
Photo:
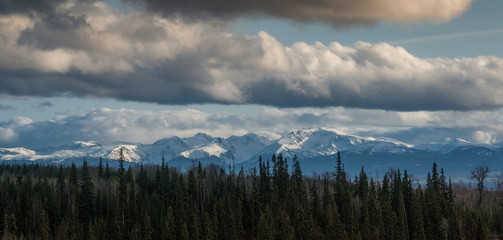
[(375, 217), (107, 172), (363, 195), (454, 223), (48, 202), (266, 228), (86, 200), (343, 199), (122, 190), (169, 230), (43, 226), (388, 215), (100, 169), (433, 200), (61, 192)]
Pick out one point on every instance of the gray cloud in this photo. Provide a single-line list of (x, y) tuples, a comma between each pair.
[(5, 107), (147, 58), (29, 6), (44, 104), (334, 12)]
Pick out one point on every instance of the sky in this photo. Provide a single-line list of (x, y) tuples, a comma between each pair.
[(419, 71)]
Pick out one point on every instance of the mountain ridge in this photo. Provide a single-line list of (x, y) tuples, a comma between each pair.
[(311, 146)]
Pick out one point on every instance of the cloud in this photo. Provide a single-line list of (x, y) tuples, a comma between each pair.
[(110, 125), (448, 36), (484, 137), (44, 104), (147, 58), (337, 13), (29, 6), (5, 107), (7, 135), (20, 121), (334, 12), (8, 132)]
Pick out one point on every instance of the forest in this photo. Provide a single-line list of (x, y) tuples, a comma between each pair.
[(275, 201)]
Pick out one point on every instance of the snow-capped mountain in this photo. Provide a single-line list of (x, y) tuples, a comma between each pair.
[(315, 147), (77, 150), (457, 144), (235, 149), (317, 142)]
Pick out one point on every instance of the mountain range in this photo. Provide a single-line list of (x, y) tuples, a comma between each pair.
[(316, 148)]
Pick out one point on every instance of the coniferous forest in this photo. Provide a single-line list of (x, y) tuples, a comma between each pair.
[(275, 201)]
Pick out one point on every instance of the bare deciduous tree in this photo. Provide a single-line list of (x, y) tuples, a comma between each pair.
[(479, 174), (498, 182)]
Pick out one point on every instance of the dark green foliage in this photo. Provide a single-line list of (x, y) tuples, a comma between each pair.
[(158, 202), (86, 200), (266, 228)]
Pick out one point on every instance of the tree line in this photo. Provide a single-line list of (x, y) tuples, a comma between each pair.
[(273, 201)]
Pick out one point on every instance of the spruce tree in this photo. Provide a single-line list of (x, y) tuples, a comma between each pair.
[(86, 200), (100, 169), (266, 228)]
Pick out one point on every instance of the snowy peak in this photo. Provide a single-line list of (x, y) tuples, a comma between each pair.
[(203, 151), (168, 148), (242, 148), (316, 142), (130, 152), (198, 139), (16, 153), (83, 144), (234, 149)]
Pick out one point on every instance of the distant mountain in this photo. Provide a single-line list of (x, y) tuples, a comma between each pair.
[(316, 148), (318, 142)]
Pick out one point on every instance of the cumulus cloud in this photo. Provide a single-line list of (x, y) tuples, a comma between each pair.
[(8, 132), (7, 135), (148, 58), (484, 137), (110, 125), (334, 12)]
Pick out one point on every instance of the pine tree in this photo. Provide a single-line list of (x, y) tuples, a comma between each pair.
[(86, 200), (433, 201), (107, 172), (454, 223), (194, 227), (286, 230), (315, 202), (266, 228), (43, 226), (122, 190), (363, 194), (100, 169), (169, 230), (388, 216), (343, 199), (207, 230), (62, 193)]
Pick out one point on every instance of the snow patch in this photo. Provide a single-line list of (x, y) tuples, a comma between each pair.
[(208, 150)]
